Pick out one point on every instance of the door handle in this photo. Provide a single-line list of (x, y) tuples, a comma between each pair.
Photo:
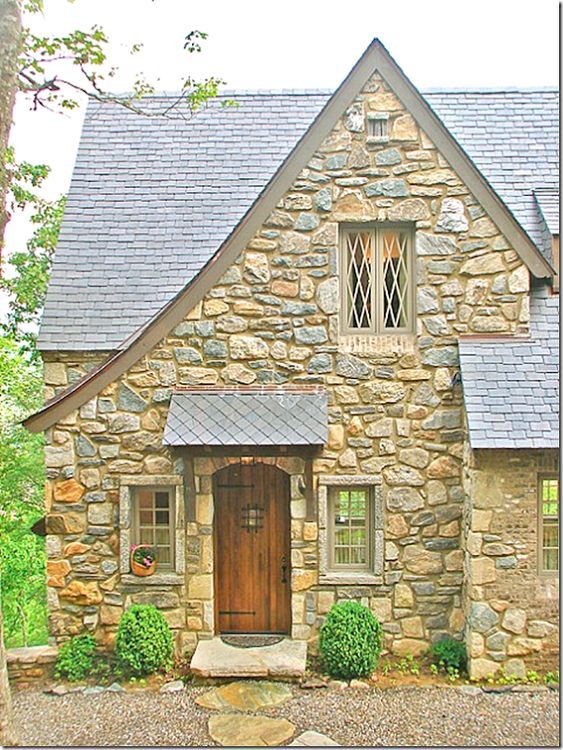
[(284, 567)]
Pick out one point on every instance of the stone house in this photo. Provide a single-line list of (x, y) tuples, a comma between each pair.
[(308, 348)]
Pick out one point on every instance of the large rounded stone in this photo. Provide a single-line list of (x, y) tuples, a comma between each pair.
[(482, 617), (327, 296), (245, 696), (452, 216), (405, 499), (248, 347), (238, 730), (82, 593), (68, 491), (390, 393), (352, 367)]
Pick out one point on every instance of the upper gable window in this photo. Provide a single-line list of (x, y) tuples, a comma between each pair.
[(377, 282), (378, 127)]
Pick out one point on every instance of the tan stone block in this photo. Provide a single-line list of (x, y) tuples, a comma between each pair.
[(482, 668), (335, 436), (110, 583), (54, 373), (206, 555), (381, 608), (157, 465), (412, 627), (481, 520), (325, 600), (396, 526), (476, 645), (443, 467), (58, 569), (449, 529), (151, 420), (175, 618), (285, 288), (482, 570), (110, 615), (75, 548), (523, 646), (345, 394), (303, 579), (195, 312), (384, 101), (348, 459), (404, 129), (82, 593), (310, 531), (457, 620), (403, 596), (514, 620), (355, 426), (195, 623), (421, 561), (298, 608), (200, 586), (68, 491), (454, 561), (409, 646), (69, 523), (214, 307), (474, 543), (204, 509), (247, 307), (297, 559)]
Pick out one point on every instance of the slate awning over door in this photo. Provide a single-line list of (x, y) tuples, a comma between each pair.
[(261, 417)]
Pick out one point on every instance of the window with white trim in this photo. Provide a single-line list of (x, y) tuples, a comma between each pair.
[(377, 280), (350, 528), (549, 524)]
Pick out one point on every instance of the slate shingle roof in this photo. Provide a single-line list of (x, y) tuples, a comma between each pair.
[(242, 417), (548, 202), (511, 388), (151, 199)]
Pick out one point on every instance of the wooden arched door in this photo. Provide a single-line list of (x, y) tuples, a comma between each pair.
[(252, 549)]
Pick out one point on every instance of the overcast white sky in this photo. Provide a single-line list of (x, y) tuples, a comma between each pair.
[(294, 44)]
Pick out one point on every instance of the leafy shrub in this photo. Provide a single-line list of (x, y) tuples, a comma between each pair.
[(144, 641), (76, 658), (449, 654), (350, 641)]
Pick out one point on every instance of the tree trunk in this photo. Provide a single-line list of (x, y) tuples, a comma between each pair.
[(10, 35)]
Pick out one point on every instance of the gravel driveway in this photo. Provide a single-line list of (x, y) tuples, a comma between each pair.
[(395, 716)]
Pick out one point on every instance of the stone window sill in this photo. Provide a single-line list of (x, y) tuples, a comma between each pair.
[(157, 579), (351, 579)]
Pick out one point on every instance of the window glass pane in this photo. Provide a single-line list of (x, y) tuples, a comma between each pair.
[(161, 518), (162, 499), (163, 555), (359, 279), (341, 556), (395, 278), (358, 504), (145, 517), (342, 536), (550, 497), (146, 536), (145, 499), (162, 536)]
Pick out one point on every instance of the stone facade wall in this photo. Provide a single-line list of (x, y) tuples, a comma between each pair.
[(27, 666), (513, 609), (395, 410)]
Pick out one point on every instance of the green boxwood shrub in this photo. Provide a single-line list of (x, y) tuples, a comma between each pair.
[(449, 654), (75, 659), (144, 641), (350, 641)]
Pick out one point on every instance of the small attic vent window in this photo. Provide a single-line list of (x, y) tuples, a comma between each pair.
[(378, 126)]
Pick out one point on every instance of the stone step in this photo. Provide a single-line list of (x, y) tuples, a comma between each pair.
[(214, 658)]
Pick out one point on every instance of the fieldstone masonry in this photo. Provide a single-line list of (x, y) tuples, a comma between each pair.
[(395, 413)]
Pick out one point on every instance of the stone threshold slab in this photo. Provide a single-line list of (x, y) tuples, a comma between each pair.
[(214, 658)]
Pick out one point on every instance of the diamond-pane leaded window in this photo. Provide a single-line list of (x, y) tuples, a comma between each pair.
[(350, 527), (549, 524), (377, 289)]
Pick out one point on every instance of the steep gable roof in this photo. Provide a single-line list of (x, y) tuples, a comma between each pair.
[(152, 199), (374, 58)]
